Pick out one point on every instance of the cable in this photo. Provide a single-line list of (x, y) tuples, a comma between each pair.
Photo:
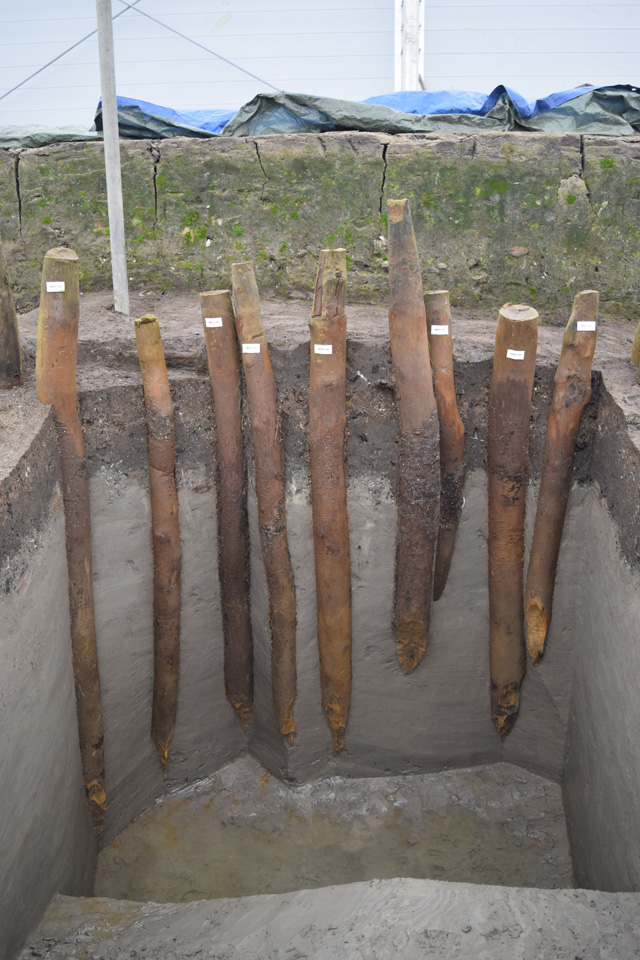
[(142, 13), (63, 54)]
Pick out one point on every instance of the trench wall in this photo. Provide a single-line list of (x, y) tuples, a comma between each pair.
[(46, 840), (498, 216), (579, 704)]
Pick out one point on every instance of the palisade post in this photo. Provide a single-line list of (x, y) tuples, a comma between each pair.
[(270, 491), (10, 352), (571, 392), (165, 533), (514, 364), (56, 354), (452, 461), (327, 430), (418, 488), (233, 531)]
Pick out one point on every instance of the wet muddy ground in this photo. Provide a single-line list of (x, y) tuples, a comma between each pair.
[(244, 832)]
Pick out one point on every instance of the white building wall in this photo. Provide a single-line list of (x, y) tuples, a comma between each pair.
[(337, 49), (340, 48), (536, 48)]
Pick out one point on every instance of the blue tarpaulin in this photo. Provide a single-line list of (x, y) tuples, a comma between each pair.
[(610, 110)]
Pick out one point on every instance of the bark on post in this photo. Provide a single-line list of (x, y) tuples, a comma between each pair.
[(571, 392), (514, 364), (165, 532), (233, 533), (270, 491), (56, 353), (452, 462), (10, 353), (417, 497), (327, 427)]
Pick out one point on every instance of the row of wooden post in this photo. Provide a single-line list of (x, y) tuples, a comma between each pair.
[(430, 479)]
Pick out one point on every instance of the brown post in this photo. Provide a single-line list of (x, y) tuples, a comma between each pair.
[(514, 365), (418, 491), (56, 353), (233, 533), (452, 463), (10, 353), (571, 392), (165, 532), (270, 490), (327, 427), (635, 349)]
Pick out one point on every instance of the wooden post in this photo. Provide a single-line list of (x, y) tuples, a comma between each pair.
[(418, 491), (635, 349), (233, 534), (56, 352), (571, 392), (112, 157), (10, 353), (452, 463), (514, 364), (270, 490), (327, 427), (165, 531)]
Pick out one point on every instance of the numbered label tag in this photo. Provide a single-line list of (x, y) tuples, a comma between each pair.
[(439, 330), (213, 321), (251, 348), (55, 286), (585, 325), (325, 348), (515, 354)]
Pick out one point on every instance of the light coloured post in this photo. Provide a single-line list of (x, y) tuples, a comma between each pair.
[(112, 157), (409, 29)]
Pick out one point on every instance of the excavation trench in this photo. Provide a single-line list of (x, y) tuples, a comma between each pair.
[(424, 787)]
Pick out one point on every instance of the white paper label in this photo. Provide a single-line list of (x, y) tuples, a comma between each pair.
[(251, 348), (55, 286), (322, 348), (439, 330), (213, 321), (515, 354), (584, 325)]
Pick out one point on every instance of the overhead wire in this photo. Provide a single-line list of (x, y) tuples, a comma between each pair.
[(73, 46), (231, 63)]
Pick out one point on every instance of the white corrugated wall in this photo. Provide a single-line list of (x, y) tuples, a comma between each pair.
[(340, 49)]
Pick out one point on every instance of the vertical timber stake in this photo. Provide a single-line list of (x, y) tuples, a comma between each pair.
[(452, 462), (165, 532), (233, 534), (635, 349), (10, 353), (56, 354), (514, 365), (270, 491), (418, 491), (571, 392), (327, 428)]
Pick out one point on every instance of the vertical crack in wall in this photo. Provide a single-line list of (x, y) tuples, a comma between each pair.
[(16, 172), (384, 175), (267, 178), (582, 168), (155, 156)]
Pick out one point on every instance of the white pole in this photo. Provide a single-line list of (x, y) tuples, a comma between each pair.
[(409, 29), (112, 157)]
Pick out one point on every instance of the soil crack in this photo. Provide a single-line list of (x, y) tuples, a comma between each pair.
[(267, 178), (155, 156), (384, 174), (16, 172)]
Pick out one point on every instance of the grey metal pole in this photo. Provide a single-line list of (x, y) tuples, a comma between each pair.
[(112, 157)]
